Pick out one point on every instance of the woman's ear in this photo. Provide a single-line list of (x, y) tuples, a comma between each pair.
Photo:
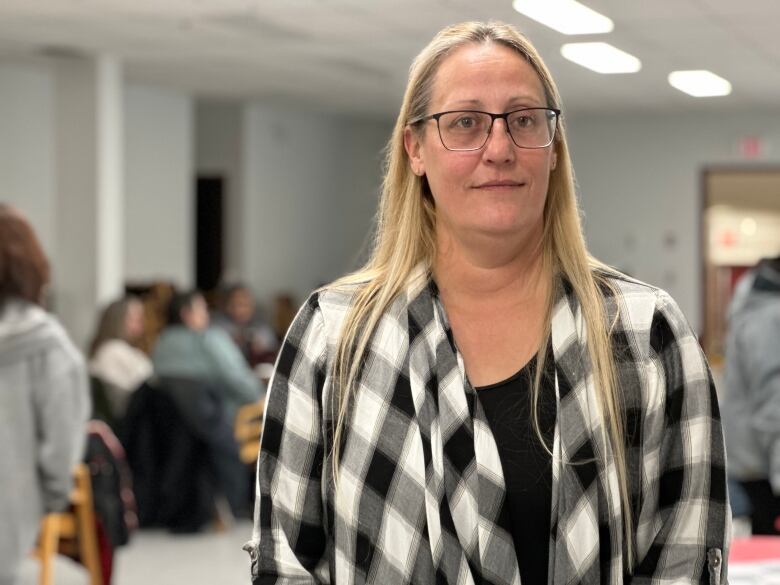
[(413, 146)]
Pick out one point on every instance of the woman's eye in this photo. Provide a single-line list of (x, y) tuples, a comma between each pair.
[(465, 122)]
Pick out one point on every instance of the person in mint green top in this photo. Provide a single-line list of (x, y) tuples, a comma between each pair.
[(189, 348)]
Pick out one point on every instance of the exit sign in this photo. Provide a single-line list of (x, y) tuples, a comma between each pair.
[(752, 147)]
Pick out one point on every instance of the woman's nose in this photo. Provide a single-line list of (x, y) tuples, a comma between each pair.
[(499, 147)]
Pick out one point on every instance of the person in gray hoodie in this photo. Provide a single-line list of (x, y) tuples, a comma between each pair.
[(44, 397), (751, 404)]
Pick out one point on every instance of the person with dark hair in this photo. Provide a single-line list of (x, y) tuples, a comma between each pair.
[(114, 358), (189, 348), (188, 308), (238, 317), (44, 396)]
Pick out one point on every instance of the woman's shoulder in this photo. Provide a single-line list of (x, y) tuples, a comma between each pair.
[(615, 284), (173, 334), (32, 335), (637, 304), (334, 297), (176, 340), (325, 308), (118, 349), (27, 326)]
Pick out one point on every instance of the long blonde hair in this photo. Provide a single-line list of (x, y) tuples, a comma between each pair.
[(405, 236)]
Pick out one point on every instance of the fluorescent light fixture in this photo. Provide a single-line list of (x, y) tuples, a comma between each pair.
[(566, 16), (700, 83), (601, 57)]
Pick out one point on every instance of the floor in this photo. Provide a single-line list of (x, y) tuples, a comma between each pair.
[(158, 558), (155, 557), (760, 573), (209, 558)]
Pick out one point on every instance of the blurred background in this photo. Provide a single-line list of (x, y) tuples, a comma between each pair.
[(194, 143)]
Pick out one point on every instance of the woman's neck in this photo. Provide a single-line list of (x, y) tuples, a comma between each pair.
[(495, 300), (491, 272)]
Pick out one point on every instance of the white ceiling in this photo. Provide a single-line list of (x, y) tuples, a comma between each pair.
[(353, 55)]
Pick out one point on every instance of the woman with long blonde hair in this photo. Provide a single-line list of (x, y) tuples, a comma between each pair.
[(484, 402)]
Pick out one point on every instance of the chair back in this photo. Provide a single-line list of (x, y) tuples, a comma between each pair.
[(78, 523), (248, 428)]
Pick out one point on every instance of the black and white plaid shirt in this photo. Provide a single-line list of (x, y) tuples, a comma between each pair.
[(421, 495)]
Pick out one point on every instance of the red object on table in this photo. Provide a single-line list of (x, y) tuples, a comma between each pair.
[(755, 548)]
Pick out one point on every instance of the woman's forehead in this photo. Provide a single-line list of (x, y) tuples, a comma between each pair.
[(476, 73)]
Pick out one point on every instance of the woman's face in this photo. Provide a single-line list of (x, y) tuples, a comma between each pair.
[(241, 306), (196, 315), (134, 321), (501, 189)]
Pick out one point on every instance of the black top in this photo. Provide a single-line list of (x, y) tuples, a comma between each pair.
[(527, 465)]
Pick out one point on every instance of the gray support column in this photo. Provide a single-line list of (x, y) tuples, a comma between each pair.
[(88, 260)]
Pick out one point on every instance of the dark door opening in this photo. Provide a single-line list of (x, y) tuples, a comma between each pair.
[(209, 232)]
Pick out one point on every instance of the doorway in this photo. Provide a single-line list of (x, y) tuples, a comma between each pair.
[(741, 225), (209, 247)]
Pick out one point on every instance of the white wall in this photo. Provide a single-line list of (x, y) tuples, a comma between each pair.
[(159, 210), (88, 184), (26, 145), (158, 172), (311, 183), (639, 181)]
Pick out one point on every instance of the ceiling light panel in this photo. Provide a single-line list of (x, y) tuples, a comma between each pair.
[(566, 16), (699, 83), (601, 57)]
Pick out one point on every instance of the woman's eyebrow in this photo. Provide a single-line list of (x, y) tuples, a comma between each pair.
[(519, 100)]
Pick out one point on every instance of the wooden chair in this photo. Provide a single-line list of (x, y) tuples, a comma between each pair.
[(247, 430), (78, 524)]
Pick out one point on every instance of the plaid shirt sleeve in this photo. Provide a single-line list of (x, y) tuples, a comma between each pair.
[(288, 543), (684, 484)]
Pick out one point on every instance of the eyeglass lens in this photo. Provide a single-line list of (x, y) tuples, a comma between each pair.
[(531, 128)]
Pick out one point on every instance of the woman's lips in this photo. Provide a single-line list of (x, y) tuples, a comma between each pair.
[(500, 185)]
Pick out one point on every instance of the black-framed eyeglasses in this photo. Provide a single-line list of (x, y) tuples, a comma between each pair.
[(462, 130)]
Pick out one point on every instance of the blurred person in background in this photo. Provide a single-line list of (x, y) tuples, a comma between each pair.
[(239, 319), (485, 402), (44, 397), (751, 405), (285, 308), (114, 357), (155, 302), (189, 348)]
